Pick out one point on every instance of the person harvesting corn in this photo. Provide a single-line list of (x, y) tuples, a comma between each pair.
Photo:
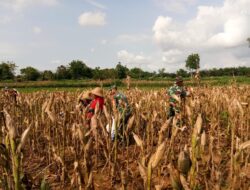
[(84, 100), (177, 94), (12, 94), (121, 105), (97, 103)]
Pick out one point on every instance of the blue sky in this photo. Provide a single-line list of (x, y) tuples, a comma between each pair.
[(150, 34)]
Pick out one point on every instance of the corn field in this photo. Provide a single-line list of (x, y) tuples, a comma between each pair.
[(46, 144)]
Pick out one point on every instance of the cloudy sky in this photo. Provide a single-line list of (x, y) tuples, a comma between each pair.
[(150, 34)]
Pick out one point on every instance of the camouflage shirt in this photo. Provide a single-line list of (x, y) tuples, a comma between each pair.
[(178, 91), (121, 102)]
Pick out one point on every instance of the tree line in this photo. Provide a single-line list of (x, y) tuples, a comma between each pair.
[(77, 69)]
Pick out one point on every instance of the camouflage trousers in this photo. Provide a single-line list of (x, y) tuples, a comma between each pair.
[(173, 110)]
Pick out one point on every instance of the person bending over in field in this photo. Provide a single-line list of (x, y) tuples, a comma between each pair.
[(177, 94), (121, 106), (12, 94), (84, 100), (96, 105)]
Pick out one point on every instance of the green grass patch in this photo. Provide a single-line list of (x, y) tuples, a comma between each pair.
[(73, 85)]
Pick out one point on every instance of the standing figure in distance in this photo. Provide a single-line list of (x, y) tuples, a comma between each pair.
[(177, 94), (128, 79)]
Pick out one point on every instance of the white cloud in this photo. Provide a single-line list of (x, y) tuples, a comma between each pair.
[(104, 42), (57, 61), (132, 38), (224, 59), (37, 30), (151, 62), (213, 32), (176, 6), (92, 19), (172, 56), (96, 4), (133, 60), (18, 5), (92, 50), (5, 19), (236, 30), (8, 51), (225, 26)]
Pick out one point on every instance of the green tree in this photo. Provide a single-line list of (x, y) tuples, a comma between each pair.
[(30, 73), (136, 73), (109, 73), (161, 72), (182, 72), (98, 74), (79, 70), (248, 39), (47, 75), (7, 70), (193, 62), (121, 71), (62, 72)]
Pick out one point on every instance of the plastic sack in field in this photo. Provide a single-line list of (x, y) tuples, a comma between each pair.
[(112, 130)]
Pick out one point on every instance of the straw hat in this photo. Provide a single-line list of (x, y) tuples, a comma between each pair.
[(97, 91), (86, 96)]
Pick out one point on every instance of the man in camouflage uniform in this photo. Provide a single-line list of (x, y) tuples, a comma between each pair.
[(177, 94), (121, 104)]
